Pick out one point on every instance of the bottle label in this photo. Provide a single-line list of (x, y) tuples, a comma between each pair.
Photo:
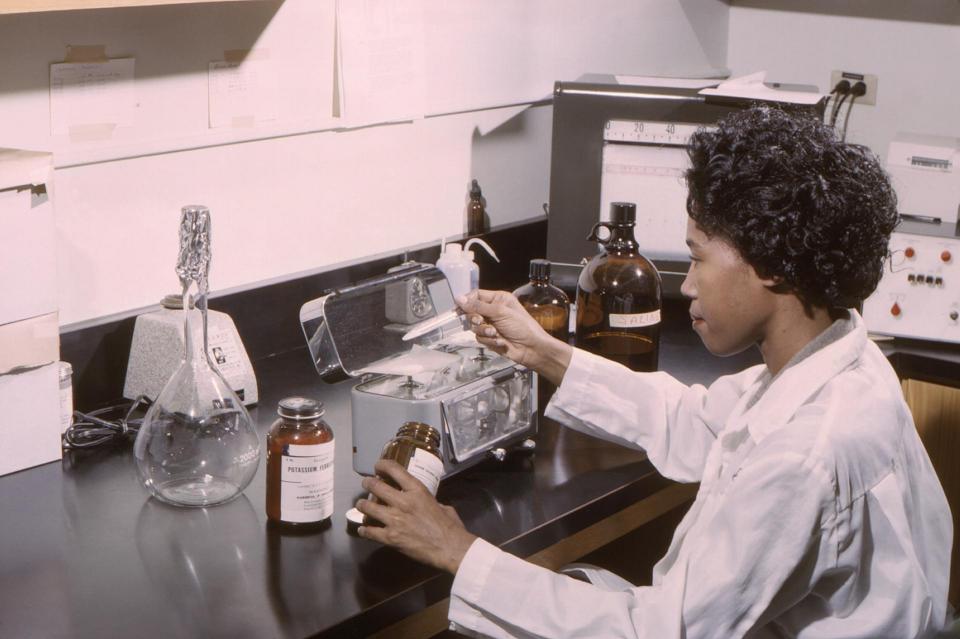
[(634, 320), (225, 352), (306, 482), (426, 467), (66, 406)]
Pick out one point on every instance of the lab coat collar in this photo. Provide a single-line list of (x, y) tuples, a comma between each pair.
[(799, 382)]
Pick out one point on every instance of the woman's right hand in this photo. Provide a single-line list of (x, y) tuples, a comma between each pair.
[(503, 325)]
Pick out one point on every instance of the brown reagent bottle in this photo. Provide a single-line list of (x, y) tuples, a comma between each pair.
[(618, 296), (476, 211), (300, 454), (417, 448), (546, 303), (550, 306)]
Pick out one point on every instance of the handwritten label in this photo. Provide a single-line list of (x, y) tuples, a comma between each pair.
[(634, 320)]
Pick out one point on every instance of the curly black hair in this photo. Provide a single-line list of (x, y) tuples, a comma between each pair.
[(795, 201)]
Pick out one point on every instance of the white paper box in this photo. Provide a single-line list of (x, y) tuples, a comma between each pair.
[(29, 418), (28, 285), (29, 343)]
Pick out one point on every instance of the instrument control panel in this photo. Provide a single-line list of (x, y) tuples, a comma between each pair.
[(919, 294)]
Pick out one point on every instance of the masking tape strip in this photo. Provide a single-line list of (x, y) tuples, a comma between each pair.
[(243, 122), (235, 55), (86, 53), (29, 343), (91, 132), (238, 56)]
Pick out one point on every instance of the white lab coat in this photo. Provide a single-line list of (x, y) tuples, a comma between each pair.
[(818, 515)]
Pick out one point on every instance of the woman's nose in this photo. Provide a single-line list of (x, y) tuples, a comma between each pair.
[(687, 288)]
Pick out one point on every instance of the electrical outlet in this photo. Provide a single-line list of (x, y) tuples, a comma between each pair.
[(870, 97)]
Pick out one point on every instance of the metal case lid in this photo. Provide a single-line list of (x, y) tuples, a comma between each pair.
[(353, 327)]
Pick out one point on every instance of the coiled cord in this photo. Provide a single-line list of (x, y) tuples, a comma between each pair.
[(106, 425)]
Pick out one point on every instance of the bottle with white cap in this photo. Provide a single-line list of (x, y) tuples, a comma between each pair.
[(456, 263)]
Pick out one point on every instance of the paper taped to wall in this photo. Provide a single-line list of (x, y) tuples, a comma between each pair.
[(89, 95), (380, 61), (241, 93)]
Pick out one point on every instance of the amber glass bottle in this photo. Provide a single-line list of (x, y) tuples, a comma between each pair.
[(476, 211), (545, 302), (618, 296), (417, 448), (300, 466)]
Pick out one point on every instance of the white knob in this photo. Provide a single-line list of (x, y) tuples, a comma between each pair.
[(499, 454)]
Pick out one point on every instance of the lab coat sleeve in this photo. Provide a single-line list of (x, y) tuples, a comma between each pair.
[(674, 423), (732, 579)]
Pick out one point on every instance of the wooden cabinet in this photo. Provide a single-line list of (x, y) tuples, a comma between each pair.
[(936, 410), (36, 6)]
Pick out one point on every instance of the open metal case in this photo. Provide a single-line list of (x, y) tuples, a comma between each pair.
[(480, 402)]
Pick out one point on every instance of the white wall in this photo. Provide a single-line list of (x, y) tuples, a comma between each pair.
[(912, 46), (297, 198)]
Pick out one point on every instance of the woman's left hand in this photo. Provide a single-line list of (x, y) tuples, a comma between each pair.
[(414, 522)]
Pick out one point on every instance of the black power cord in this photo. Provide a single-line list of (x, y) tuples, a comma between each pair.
[(841, 91), (859, 89), (111, 424)]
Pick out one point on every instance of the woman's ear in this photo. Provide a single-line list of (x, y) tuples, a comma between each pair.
[(779, 286), (775, 283)]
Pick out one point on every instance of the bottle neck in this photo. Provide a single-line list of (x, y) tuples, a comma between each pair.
[(621, 239), (301, 424), (421, 433)]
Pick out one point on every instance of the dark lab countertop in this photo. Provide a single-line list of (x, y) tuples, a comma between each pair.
[(85, 553), (934, 362)]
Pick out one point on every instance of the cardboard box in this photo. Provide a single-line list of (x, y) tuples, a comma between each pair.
[(29, 343), (28, 264), (29, 418), (29, 393)]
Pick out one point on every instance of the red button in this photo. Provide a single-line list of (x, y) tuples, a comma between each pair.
[(909, 252), (895, 309), (945, 256)]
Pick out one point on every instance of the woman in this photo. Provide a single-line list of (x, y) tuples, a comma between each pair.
[(818, 513)]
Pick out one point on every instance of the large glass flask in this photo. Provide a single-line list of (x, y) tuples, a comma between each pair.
[(197, 445), (618, 296)]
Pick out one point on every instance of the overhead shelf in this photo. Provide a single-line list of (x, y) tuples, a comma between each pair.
[(37, 6)]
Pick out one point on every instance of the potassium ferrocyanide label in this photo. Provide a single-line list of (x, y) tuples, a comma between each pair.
[(306, 482)]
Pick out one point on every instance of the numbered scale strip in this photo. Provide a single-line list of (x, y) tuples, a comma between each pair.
[(649, 132)]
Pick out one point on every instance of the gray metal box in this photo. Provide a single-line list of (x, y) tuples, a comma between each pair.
[(479, 401)]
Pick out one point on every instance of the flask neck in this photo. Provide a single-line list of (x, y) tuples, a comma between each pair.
[(196, 354)]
